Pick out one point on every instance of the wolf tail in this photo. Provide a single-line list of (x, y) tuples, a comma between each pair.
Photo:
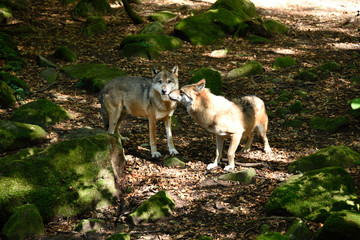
[(103, 111)]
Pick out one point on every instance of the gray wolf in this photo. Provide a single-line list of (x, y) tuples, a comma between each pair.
[(227, 119), (142, 97)]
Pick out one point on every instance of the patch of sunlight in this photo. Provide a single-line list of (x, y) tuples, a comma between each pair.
[(346, 46), (284, 51), (14, 187)]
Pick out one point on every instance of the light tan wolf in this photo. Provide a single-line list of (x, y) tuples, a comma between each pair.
[(226, 119), (141, 97)]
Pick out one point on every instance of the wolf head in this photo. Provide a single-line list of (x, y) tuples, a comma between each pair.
[(187, 94), (164, 82)]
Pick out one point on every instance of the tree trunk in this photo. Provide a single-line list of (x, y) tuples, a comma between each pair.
[(132, 14)]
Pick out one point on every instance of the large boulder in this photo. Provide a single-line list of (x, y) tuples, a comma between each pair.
[(212, 77), (92, 76), (7, 98), (86, 8), (341, 156), (15, 135), (25, 222), (65, 179), (42, 112), (314, 195)]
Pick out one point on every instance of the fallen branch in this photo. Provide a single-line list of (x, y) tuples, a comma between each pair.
[(273, 218)]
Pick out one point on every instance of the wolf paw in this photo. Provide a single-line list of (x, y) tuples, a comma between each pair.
[(173, 151), (155, 154), (268, 150), (229, 168), (211, 166)]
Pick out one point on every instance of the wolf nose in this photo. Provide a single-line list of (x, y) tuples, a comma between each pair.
[(164, 91)]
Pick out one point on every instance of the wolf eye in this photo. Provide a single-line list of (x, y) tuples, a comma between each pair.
[(181, 92)]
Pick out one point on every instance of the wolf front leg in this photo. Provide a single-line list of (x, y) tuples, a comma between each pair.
[(219, 149), (235, 141), (167, 122), (152, 131)]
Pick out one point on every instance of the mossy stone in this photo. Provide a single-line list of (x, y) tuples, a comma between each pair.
[(44, 62), (275, 27), (248, 69), (156, 207), (49, 74), (281, 112), (307, 75), (245, 9), (330, 67), (25, 222), (42, 112), (296, 107), (162, 17), (245, 175), (258, 40), (88, 225), (139, 50), (159, 42), (65, 179), (314, 195), (284, 62), (212, 77), (13, 80), (119, 236), (341, 156), (174, 162), (343, 225), (328, 125), (5, 12), (65, 53), (95, 25), (272, 236), (204, 237), (92, 76), (86, 8), (7, 98), (153, 28), (298, 230), (15, 135), (296, 123)]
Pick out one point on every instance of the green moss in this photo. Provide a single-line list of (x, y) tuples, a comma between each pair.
[(159, 42), (341, 156), (245, 176), (258, 40), (13, 80), (153, 28), (299, 230), (342, 225), (139, 50), (328, 125), (15, 135), (284, 62), (7, 98), (294, 123), (24, 223), (296, 107), (65, 53), (119, 236), (272, 236), (42, 112), (275, 27), (94, 25), (158, 206), (86, 8), (92, 76), (49, 74), (212, 77), (248, 69), (244, 9), (314, 195), (162, 16), (329, 67), (308, 75)]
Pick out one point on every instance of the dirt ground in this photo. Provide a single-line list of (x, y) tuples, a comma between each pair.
[(319, 31)]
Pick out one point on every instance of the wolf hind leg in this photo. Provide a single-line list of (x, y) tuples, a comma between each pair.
[(262, 131)]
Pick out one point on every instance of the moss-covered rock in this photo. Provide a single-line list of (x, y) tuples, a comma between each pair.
[(296, 123), (248, 69), (139, 50), (15, 135), (245, 175), (65, 179), (174, 162), (343, 225), (258, 40), (329, 67), (245, 9), (10, 53), (119, 236), (5, 12), (42, 112), (162, 16), (204, 237), (296, 107), (314, 195), (65, 53), (18, 85), (156, 207), (25, 222), (49, 74), (284, 62), (86, 8), (89, 225), (341, 156), (308, 75), (44, 62), (94, 25), (7, 98), (275, 27), (272, 236), (328, 125), (298, 231), (153, 28), (212, 77), (92, 76)]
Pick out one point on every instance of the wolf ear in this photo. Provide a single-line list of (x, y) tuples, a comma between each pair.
[(155, 71), (200, 85), (175, 70)]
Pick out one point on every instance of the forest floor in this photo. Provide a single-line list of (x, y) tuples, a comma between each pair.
[(319, 31)]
